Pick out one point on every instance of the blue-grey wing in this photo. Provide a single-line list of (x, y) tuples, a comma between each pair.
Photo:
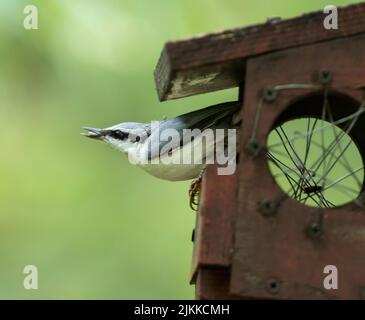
[(215, 117)]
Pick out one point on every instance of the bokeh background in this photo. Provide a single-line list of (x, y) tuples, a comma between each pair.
[(96, 227)]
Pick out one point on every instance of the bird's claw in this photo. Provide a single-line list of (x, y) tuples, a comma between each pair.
[(194, 193)]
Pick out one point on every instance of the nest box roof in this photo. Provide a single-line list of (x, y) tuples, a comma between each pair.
[(217, 61)]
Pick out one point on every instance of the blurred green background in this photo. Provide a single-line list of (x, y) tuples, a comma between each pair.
[(95, 226)]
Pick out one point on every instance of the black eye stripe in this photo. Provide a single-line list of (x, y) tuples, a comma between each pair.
[(118, 134)]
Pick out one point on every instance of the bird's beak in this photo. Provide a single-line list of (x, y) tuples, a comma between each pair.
[(94, 133)]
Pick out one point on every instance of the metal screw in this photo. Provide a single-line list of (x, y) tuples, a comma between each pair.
[(270, 94), (273, 286), (268, 208), (325, 76), (315, 228), (253, 147)]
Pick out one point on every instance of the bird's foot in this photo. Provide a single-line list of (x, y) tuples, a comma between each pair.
[(194, 191)]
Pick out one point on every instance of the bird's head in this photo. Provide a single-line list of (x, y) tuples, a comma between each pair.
[(123, 136)]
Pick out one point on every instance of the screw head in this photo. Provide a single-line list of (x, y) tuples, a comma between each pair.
[(253, 147), (273, 286), (325, 76), (314, 230), (270, 94), (268, 208)]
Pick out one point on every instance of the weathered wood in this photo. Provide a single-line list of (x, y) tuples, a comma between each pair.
[(213, 284), (214, 228), (274, 257), (238, 251), (216, 61)]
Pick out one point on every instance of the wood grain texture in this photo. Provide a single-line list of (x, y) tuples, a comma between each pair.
[(213, 284), (215, 221), (217, 61), (278, 248)]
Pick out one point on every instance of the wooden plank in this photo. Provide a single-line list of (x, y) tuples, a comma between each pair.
[(213, 284), (214, 228), (215, 61), (274, 256)]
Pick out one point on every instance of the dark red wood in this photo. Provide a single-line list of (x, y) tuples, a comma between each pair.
[(239, 252), (278, 249), (213, 283), (216, 61), (214, 228)]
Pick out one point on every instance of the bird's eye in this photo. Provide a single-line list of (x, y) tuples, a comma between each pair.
[(117, 134), (138, 138)]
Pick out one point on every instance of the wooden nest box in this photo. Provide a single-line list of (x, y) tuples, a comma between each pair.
[(258, 236)]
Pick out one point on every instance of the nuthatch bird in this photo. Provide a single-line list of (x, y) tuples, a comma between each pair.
[(160, 156)]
